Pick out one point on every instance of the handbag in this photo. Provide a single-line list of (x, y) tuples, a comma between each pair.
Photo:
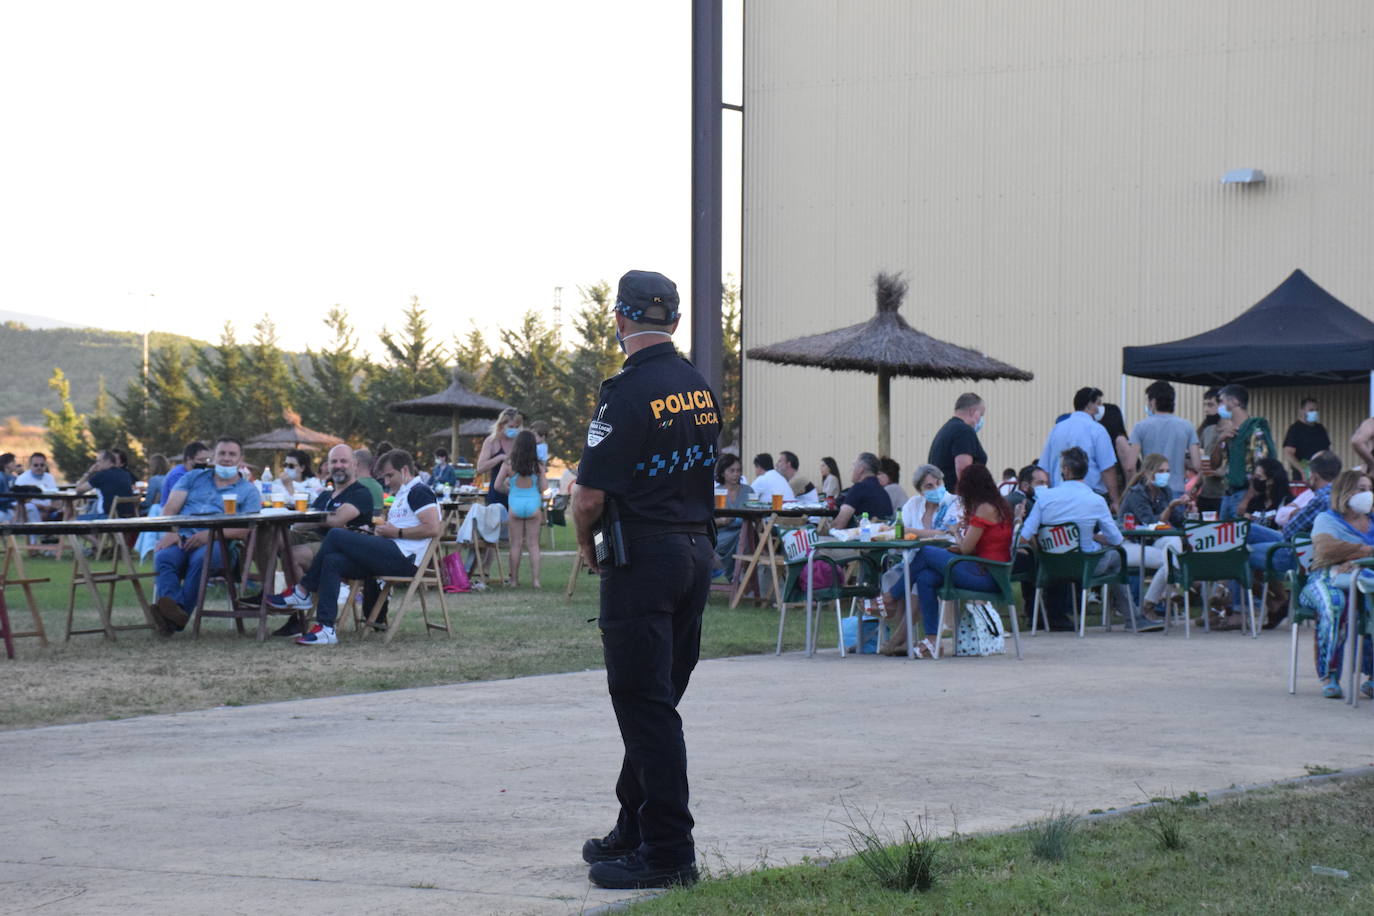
[(454, 576), (849, 630), (980, 631)]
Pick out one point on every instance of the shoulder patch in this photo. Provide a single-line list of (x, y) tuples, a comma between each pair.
[(598, 429)]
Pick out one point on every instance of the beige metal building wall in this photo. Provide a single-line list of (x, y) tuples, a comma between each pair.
[(1047, 174)]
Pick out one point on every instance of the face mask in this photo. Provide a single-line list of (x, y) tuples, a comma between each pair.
[(978, 427), (1101, 412), (1039, 489), (512, 433), (621, 340), (1362, 503), (1162, 479), (1223, 411), (541, 451), (935, 495), (1311, 416), (291, 473), (226, 473)]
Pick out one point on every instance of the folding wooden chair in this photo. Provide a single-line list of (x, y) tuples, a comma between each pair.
[(14, 563), (427, 575), (106, 539)]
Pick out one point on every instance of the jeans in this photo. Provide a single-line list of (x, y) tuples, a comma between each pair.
[(928, 574), (1231, 504), (651, 636), (178, 572), (348, 554)]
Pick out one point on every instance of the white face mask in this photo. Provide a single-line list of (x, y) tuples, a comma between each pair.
[(1101, 412), (290, 473), (1362, 503)]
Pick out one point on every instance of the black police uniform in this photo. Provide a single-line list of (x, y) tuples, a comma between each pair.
[(652, 448)]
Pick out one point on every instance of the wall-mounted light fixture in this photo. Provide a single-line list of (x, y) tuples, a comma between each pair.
[(1243, 176)]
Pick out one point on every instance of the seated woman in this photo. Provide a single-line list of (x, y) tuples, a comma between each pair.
[(933, 512), (987, 535), (1269, 491), (1340, 535), (830, 485), (1147, 500), (728, 470), (295, 471)]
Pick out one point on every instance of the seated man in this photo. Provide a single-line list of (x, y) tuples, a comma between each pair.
[(8, 474), (349, 505), (443, 473), (866, 494), (767, 481), (393, 549), (801, 488), (38, 477), (1073, 503), (108, 481), (181, 554), (362, 461), (195, 456)]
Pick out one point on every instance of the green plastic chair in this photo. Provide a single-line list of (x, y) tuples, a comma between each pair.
[(1061, 558), (1298, 613), (1002, 597), (1212, 552), (867, 584)]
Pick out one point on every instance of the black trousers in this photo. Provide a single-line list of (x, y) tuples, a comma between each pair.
[(346, 554), (651, 635)]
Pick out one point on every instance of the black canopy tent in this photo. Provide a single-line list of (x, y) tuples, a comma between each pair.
[(1299, 334)]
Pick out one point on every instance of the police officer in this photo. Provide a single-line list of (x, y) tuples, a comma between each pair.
[(649, 458)]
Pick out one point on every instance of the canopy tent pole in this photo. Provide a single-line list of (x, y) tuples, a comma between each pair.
[(885, 411), (453, 440)]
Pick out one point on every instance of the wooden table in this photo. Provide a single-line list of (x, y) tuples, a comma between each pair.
[(762, 520), (277, 524)]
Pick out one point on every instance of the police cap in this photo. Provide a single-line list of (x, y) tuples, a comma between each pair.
[(641, 290)]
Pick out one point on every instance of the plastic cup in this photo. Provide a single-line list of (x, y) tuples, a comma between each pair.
[(1209, 516), (777, 501), (302, 502), (231, 503), (278, 501), (720, 499)]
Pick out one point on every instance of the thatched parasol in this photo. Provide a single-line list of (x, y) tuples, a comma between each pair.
[(886, 346), (455, 402), (468, 429), (293, 435)]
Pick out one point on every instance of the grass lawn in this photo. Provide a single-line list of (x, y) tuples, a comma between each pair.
[(1248, 854), (500, 633)]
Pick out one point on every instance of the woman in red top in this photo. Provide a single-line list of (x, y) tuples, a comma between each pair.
[(987, 534)]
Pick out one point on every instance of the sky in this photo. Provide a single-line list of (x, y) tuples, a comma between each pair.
[(172, 166)]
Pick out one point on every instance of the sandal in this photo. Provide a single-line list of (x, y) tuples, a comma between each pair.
[(1367, 689), (1332, 690), (925, 649)]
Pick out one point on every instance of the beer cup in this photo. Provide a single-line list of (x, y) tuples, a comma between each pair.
[(777, 501), (278, 500), (720, 497), (231, 503), (302, 502)]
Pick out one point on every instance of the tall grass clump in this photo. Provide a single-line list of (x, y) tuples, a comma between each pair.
[(1051, 837), (909, 863)]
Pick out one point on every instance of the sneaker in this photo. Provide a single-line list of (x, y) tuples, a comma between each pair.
[(605, 849), (1367, 689), (632, 873), (292, 627), (318, 636), (1146, 625), (293, 599), (1332, 690)]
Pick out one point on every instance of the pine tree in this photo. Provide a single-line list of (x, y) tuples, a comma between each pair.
[(107, 429), (171, 419), (731, 418), (414, 367), (473, 358), (596, 358), (66, 434), (267, 393), (329, 396), (224, 382), (532, 375)]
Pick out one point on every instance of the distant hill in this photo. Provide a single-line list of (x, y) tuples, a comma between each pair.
[(29, 354), (34, 321)]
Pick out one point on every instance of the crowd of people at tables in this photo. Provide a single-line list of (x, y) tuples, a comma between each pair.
[(381, 513), (1094, 475)]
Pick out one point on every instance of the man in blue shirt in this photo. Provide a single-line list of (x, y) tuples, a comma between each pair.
[(1082, 430), (181, 554), (1071, 502)]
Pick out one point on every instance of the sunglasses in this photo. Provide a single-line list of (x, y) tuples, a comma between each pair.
[(291, 465)]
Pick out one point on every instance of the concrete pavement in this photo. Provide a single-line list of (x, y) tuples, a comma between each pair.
[(475, 798)]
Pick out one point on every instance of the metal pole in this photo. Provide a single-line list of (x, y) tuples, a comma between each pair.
[(707, 63)]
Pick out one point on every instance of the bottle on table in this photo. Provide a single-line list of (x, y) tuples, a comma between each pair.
[(865, 528), (898, 529)]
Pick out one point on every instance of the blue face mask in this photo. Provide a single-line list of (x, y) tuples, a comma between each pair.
[(512, 433), (1039, 489), (541, 451), (978, 427), (1224, 412), (226, 473), (1312, 416), (1162, 479), (935, 495)]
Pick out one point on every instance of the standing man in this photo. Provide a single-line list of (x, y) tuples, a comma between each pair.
[(1304, 439), (1082, 429), (1164, 434), (956, 444), (1242, 442), (649, 460)]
